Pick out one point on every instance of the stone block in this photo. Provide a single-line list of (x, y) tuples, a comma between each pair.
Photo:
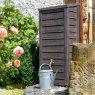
[(82, 71), (82, 52)]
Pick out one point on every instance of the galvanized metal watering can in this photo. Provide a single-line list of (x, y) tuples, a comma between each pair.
[(46, 77)]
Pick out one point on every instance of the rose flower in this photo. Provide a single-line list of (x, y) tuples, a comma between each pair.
[(9, 64), (17, 63), (18, 51), (3, 32), (14, 30)]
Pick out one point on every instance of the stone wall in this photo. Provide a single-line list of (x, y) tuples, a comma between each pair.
[(30, 7), (84, 18), (82, 79)]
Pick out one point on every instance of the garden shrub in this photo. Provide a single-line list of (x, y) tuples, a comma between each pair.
[(21, 32)]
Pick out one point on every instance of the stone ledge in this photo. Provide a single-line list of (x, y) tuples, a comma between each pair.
[(56, 90)]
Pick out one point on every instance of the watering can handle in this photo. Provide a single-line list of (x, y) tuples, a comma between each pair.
[(45, 64)]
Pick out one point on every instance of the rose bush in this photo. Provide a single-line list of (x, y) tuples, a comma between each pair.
[(18, 46)]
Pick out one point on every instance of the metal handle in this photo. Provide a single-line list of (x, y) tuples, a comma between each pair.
[(45, 64)]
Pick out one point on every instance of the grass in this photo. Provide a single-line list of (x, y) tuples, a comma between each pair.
[(12, 90)]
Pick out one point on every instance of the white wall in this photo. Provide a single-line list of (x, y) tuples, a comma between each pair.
[(30, 7)]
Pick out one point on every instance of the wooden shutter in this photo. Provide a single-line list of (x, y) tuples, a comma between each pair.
[(58, 30)]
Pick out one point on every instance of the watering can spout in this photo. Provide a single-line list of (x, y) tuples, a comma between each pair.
[(54, 76)]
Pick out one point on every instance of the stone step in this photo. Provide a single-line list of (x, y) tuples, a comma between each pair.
[(56, 90)]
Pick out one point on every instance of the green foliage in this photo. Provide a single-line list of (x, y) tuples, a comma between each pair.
[(26, 38)]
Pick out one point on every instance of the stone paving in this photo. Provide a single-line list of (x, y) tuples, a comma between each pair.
[(35, 90)]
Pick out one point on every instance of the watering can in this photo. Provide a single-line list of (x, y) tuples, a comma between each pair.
[(46, 77)]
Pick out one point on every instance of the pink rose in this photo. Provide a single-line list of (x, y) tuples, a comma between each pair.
[(17, 63), (3, 32), (9, 64), (14, 30), (18, 51)]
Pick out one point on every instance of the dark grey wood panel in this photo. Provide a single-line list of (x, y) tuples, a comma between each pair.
[(54, 29), (52, 16), (53, 42), (73, 22), (59, 82), (60, 75), (53, 36), (73, 9), (72, 15), (51, 10), (57, 62), (52, 55), (59, 29), (50, 23), (53, 48)]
